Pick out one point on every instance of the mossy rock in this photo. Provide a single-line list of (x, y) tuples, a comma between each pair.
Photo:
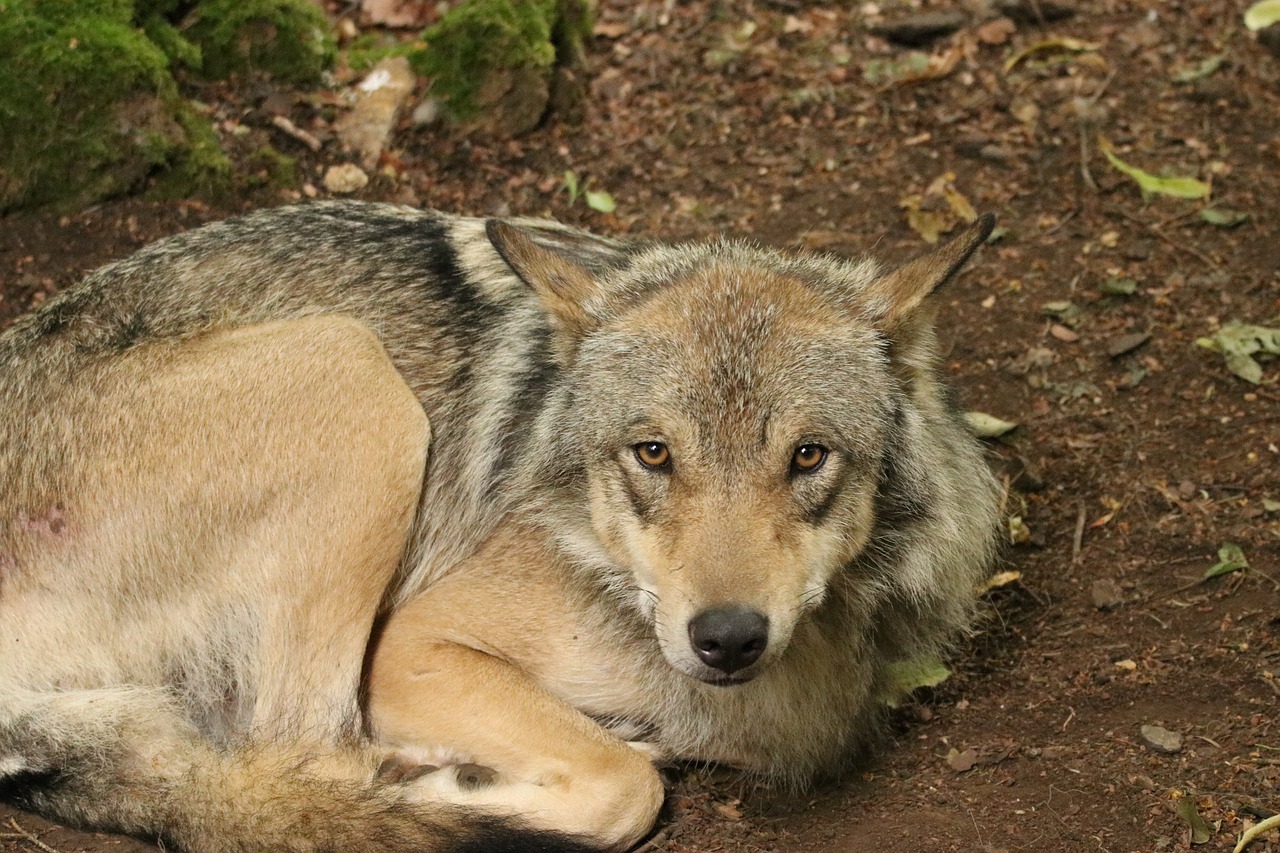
[(88, 107), (493, 62), (288, 39)]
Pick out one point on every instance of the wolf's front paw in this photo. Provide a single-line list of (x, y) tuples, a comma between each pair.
[(656, 754)]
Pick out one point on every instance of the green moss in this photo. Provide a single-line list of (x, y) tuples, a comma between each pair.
[(368, 49), (85, 102), (272, 168), (172, 42), (89, 107), (480, 39), (201, 168), (288, 39)]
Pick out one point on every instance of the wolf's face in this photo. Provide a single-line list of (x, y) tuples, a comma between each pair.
[(733, 423), (725, 414)]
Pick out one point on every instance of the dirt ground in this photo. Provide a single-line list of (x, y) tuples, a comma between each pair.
[(1137, 455)]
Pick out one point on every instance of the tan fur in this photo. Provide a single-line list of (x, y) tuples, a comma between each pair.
[(243, 608)]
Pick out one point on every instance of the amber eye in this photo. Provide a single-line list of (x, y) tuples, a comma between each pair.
[(653, 454), (808, 458)]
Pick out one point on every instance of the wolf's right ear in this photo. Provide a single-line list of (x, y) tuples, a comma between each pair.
[(563, 286)]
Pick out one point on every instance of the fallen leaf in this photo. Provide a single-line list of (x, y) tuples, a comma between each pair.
[(1202, 70), (988, 426), (728, 810), (600, 201), (1119, 287), (962, 762), (610, 30), (1239, 343), (888, 72), (1230, 559), (996, 31), (1063, 334), (1122, 344), (1200, 829), (1178, 187), (1262, 15), (1019, 533), (1224, 218), (1072, 45), (1062, 311), (1270, 505), (907, 675), (998, 580)]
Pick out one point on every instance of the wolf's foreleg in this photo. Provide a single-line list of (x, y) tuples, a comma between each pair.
[(555, 768)]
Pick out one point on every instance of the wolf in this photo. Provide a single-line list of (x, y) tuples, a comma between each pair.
[(359, 527)]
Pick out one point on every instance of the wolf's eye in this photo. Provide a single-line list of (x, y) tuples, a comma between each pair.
[(653, 454), (808, 458)]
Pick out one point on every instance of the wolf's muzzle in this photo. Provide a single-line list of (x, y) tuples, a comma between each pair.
[(729, 638)]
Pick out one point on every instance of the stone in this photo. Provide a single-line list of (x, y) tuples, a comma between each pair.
[(1107, 594), (920, 29), (379, 98), (1161, 740), (345, 178)]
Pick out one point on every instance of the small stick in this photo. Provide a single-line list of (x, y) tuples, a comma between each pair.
[(296, 132), (1258, 829), (13, 824), (1077, 541)]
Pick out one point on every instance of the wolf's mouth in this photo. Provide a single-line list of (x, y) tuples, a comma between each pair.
[(726, 680)]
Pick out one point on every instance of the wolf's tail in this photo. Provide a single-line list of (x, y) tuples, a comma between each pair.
[(127, 760)]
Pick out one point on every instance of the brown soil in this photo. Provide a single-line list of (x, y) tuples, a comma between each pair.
[(1145, 461)]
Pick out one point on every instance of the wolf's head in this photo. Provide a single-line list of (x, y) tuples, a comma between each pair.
[(723, 427)]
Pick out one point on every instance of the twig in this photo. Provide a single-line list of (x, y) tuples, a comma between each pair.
[(282, 123), (1256, 830), (13, 824), (1154, 229), (1077, 541)]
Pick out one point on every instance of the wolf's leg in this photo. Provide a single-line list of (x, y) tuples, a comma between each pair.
[(556, 768)]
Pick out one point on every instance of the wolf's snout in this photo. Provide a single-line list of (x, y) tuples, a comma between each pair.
[(729, 638)]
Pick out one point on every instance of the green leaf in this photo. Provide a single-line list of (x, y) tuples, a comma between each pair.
[(571, 184), (987, 426), (908, 675), (1224, 218), (1262, 15), (1200, 829), (1066, 313), (1119, 287), (601, 201), (1239, 342), (1230, 559), (1204, 69), (1072, 45), (1154, 184)]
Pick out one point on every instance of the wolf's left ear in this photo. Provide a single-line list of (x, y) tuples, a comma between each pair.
[(563, 285), (895, 297)]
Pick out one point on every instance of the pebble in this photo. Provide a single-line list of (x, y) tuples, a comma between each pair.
[(1161, 740), (345, 178), (920, 29), (1107, 594)]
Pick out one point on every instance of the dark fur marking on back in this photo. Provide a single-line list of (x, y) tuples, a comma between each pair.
[(533, 385), (128, 333)]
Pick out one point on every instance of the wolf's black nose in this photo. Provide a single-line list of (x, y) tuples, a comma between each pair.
[(729, 638)]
